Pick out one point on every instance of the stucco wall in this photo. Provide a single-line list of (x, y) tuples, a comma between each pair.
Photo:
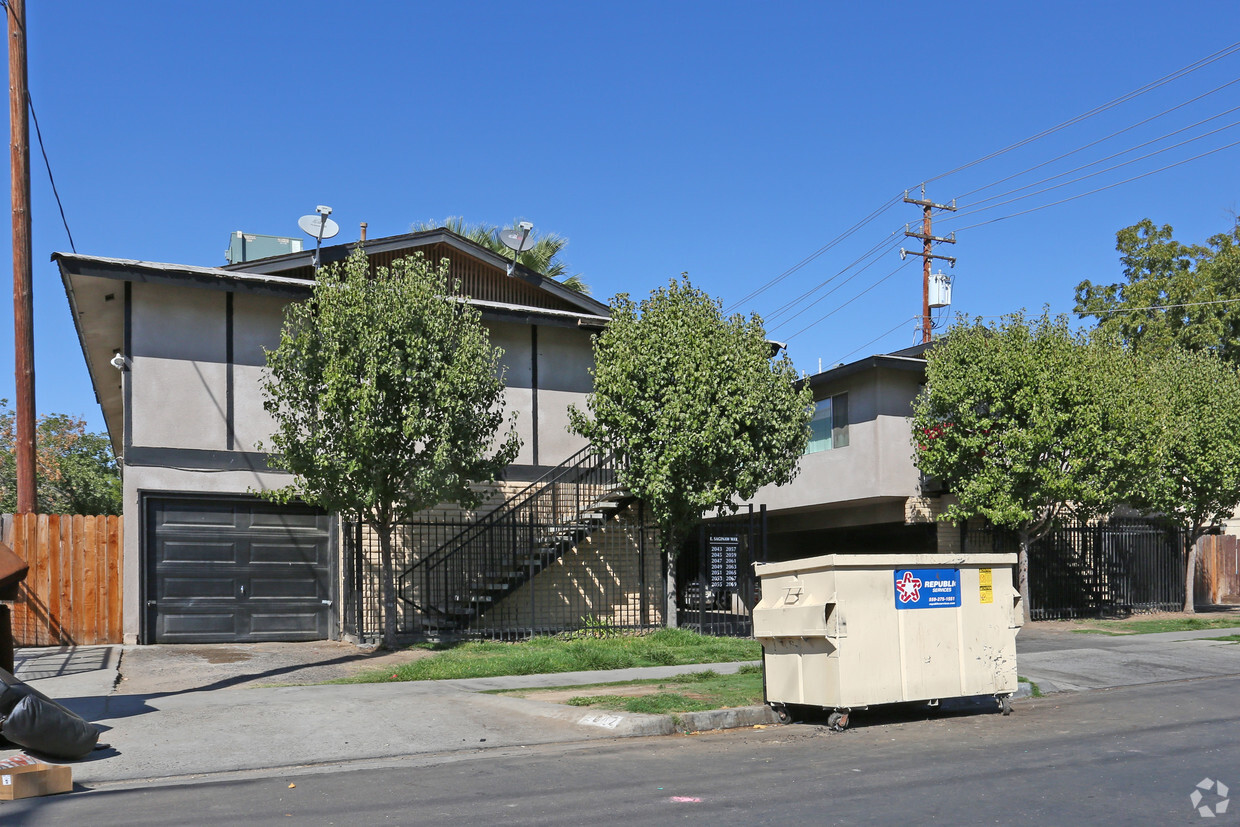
[(877, 463), (191, 427)]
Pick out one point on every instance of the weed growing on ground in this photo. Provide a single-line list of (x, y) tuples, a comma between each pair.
[(541, 655)]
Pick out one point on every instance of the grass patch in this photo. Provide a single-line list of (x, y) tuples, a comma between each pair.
[(1226, 638), (1147, 627), (692, 692), (1034, 689), (542, 655)]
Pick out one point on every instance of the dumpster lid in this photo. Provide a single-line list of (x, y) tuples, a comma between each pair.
[(888, 561)]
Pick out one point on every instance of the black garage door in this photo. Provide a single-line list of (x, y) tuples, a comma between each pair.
[(223, 571)]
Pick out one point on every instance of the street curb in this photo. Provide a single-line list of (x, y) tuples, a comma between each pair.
[(741, 716)]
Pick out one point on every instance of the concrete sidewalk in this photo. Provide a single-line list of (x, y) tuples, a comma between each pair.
[(225, 730), (221, 729)]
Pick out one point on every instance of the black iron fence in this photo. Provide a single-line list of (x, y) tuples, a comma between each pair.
[(570, 552), (1119, 567), (715, 580)]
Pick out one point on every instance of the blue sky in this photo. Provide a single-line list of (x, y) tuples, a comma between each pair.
[(728, 140)]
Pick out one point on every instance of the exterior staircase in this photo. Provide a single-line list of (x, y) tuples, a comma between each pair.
[(453, 587)]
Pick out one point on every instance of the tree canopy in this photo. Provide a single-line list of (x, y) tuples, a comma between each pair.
[(387, 398), (1173, 293), (543, 257), (1022, 422), (1187, 420), (76, 471), (693, 404)]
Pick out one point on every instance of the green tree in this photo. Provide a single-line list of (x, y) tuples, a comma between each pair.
[(1189, 457), (387, 398), (76, 471), (1173, 294), (1024, 423), (543, 257), (693, 405)]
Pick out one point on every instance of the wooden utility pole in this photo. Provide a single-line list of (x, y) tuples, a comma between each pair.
[(927, 252), (23, 300)]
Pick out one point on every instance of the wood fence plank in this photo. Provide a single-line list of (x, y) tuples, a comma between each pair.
[(90, 585), (22, 628), (116, 610), (108, 587), (46, 637), (78, 568), (101, 576), (55, 569)]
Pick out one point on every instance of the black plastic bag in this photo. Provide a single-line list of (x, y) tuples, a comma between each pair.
[(47, 727)]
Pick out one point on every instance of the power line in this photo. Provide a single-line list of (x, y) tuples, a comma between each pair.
[(886, 245), (1092, 174), (772, 282), (1107, 138), (1099, 189), (1192, 67), (788, 320), (39, 133), (850, 301), (899, 324)]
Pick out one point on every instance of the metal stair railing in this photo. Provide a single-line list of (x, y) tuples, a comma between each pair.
[(455, 585)]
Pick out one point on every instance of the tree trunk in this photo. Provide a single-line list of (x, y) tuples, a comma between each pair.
[(1022, 575), (1190, 572), (670, 618), (387, 585)]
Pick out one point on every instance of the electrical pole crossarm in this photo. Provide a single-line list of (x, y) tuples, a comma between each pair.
[(951, 239), (921, 202), (926, 256)]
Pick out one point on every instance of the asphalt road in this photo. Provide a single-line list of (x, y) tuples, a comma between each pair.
[(1129, 756)]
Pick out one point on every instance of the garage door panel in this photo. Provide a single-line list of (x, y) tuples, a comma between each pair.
[(200, 587), (261, 575), (298, 625), (199, 514), (196, 552), (272, 520), (300, 551), (199, 625), (305, 587)]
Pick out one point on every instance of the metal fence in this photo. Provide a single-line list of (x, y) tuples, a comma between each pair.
[(571, 552), (1120, 567), (715, 578)]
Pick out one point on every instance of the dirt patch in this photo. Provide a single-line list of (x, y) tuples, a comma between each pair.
[(559, 696), (161, 669), (1115, 624)]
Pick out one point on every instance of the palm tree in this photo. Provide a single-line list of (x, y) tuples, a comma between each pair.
[(541, 258)]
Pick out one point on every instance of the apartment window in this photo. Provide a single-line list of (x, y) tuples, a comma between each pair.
[(829, 424)]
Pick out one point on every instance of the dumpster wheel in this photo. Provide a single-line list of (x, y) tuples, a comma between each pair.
[(838, 720), (1005, 703), (782, 713)]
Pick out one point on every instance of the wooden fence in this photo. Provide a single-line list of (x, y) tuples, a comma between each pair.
[(72, 595), (1218, 570)]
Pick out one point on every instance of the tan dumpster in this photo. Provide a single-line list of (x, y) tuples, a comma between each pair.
[(843, 631)]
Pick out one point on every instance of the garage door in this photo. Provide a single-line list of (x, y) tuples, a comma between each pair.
[(224, 571)]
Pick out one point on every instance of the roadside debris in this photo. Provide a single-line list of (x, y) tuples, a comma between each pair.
[(32, 720)]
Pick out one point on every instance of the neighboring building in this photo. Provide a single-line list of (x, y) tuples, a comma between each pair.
[(205, 560), (858, 489)]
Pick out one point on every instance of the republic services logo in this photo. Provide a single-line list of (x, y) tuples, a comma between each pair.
[(909, 588), (1200, 793)]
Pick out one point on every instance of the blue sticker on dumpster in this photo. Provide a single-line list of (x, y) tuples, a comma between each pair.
[(927, 588)]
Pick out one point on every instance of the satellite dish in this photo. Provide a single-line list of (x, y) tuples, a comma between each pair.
[(318, 226), (516, 239)]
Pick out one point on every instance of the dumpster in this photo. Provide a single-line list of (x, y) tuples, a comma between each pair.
[(847, 631)]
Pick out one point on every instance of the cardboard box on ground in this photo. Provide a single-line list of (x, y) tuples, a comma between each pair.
[(24, 777)]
